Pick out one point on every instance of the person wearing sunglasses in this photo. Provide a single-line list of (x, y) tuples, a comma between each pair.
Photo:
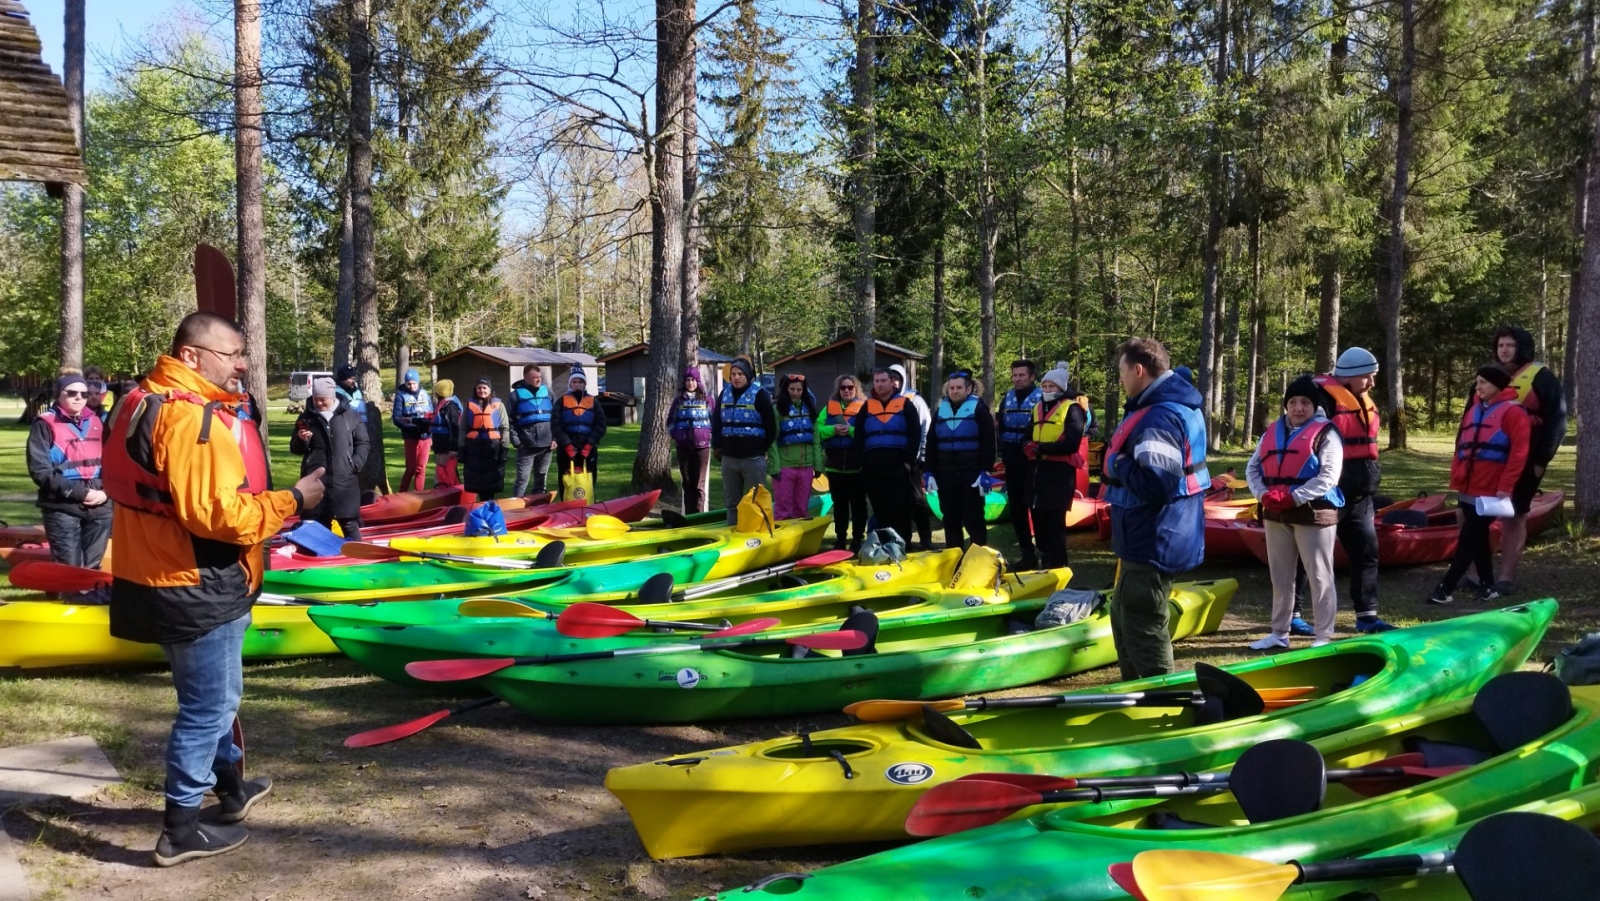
[(960, 449), (64, 449), (842, 463), (95, 378)]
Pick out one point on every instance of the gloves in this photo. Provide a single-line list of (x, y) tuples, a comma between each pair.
[(1031, 450), (986, 483), (571, 452), (1278, 500), (587, 448), (928, 484)]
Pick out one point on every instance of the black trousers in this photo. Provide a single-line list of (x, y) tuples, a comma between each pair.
[(849, 509), (1358, 535), (1472, 549), (349, 525), (889, 492), (962, 507), (1050, 529), (694, 464), (1019, 478)]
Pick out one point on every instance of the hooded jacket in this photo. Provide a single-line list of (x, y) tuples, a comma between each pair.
[(1546, 403), (341, 445), (1489, 460), (744, 446), (1152, 522)]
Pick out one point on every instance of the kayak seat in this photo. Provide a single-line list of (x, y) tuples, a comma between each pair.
[(1514, 708), (1166, 819), (455, 516), (1445, 753), (1406, 519), (1379, 501), (862, 620), (801, 652), (1018, 627), (672, 519), (551, 555), (790, 580), (947, 730), (369, 497)]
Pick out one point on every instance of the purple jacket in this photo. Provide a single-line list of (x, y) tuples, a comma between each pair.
[(690, 424)]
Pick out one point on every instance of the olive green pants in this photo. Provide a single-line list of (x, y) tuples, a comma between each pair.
[(1139, 621)]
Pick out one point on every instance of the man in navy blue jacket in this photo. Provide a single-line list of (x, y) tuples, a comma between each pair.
[(1156, 477)]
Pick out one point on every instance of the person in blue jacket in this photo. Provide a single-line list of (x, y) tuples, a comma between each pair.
[(411, 411), (1155, 476), (532, 410)]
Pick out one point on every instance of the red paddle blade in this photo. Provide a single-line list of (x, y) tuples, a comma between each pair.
[(456, 670), (214, 288), (587, 620), (395, 732), (1122, 875), (967, 804), (1038, 782), (749, 627), (43, 575), (844, 640), (364, 551), (826, 558)]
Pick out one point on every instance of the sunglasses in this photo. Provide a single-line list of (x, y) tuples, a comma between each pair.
[(71, 393), (847, 387), (97, 387), (958, 374)]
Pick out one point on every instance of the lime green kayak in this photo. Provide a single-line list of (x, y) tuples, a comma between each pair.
[(587, 569), (385, 651), (1065, 854), (785, 792), (937, 653)]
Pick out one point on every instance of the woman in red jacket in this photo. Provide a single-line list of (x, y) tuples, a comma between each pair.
[(1491, 450)]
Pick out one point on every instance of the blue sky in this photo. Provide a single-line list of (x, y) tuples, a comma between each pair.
[(108, 23)]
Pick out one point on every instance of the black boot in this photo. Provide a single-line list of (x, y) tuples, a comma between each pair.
[(184, 837), (238, 796)]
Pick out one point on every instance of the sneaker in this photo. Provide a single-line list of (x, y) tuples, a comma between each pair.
[(1490, 594), (184, 837), (1298, 626), (1504, 589), (1321, 643), (1270, 643), (237, 795), (1372, 624), (1441, 596)]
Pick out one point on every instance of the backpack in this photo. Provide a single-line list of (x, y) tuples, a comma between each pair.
[(485, 519), (882, 546), (1067, 606), (1579, 664)]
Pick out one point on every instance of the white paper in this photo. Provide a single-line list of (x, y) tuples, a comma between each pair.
[(1498, 507)]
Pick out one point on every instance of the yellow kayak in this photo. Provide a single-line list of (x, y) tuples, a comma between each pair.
[(37, 634)]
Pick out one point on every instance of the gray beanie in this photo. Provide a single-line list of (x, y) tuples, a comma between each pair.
[(324, 387), (1057, 374), (1355, 361)]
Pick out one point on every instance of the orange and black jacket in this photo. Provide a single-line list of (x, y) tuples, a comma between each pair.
[(192, 511)]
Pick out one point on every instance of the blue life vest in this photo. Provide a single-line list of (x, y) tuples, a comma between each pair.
[(739, 417), (437, 427), (885, 424), (795, 425), (75, 446), (415, 406), (1289, 456), (577, 418), (839, 414), (957, 428), (531, 407), (1482, 435), (1016, 422), (1196, 477), (693, 413), (354, 400)]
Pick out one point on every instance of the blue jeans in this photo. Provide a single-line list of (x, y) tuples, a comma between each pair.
[(208, 673)]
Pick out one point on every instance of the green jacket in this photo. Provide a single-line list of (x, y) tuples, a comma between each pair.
[(824, 431), (806, 455)]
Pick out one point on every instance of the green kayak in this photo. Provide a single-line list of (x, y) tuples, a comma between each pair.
[(927, 655), (787, 791), (1065, 854), (386, 650)]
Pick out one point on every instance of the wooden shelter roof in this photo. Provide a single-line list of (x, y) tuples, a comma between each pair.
[(36, 142)]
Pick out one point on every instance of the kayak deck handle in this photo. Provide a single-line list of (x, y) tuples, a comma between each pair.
[(765, 881)]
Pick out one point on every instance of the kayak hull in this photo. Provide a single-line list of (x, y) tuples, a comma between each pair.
[(773, 794), (36, 634)]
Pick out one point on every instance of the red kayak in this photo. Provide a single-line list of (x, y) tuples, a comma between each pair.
[(1232, 532), (11, 536), (448, 520), (1218, 493), (1401, 544)]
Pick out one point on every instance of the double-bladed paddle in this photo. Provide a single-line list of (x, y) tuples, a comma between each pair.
[(1492, 862), (458, 670), (57, 578), (878, 711), (585, 620), (363, 550), (412, 727), (598, 527)]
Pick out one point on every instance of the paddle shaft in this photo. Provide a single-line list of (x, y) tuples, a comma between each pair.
[(1433, 863), (643, 651), (1220, 780), (698, 591), (1166, 698)]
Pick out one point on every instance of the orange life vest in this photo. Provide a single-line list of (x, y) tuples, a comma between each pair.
[(130, 477), (1356, 418), (484, 421)]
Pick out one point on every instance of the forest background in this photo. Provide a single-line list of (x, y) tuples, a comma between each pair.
[(1257, 184)]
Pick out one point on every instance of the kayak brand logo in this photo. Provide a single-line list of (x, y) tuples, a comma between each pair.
[(752, 542), (909, 773), (973, 600), (688, 677), (882, 575)]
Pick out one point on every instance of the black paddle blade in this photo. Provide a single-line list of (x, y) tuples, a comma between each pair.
[(672, 519), (1516, 708), (1518, 856), (865, 621), (1278, 779), (944, 729), (1238, 698), (551, 555), (657, 589)]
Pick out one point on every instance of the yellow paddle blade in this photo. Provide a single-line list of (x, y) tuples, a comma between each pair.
[(1237, 484), (601, 527), (820, 484), (492, 607), (1285, 694), (1208, 876), (563, 533), (887, 711)]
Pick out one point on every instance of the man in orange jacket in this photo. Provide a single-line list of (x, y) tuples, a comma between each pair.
[(189, 477)]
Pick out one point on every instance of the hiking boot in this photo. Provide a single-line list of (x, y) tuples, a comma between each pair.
[(1299, 626), (238, 795), (1370, 624), (184, 837), (1441, 595), (1270, 643)]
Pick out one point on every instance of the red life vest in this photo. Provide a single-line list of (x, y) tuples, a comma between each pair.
[(1482, 435), (484, 421), (130, 475), (1196, 476), (77, 444), (1290, 457), (1355, 417)]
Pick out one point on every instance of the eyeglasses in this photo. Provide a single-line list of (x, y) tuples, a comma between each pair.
[(71, 393), (234, 357)]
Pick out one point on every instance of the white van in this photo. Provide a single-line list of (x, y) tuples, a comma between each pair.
[(300, 387)]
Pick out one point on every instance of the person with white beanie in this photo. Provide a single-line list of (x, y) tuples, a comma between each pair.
[(1057, 451), (578, 427)]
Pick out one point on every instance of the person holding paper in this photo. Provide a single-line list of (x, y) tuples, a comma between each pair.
[(1491, 452)]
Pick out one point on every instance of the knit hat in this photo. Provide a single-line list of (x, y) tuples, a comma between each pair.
[(1495, 376), (743, 365), (577, 376), (1304, 386), (70, 379), (443, 387), (345, 372), (1355, 361), (1058, 375), (485, 381), (323, 387), (412, 376), (692, 372)]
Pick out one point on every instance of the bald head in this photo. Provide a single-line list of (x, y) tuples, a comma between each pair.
[(197, 329)]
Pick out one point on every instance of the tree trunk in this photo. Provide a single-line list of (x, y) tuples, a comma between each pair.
[(251, 253), (344, 294), (1331, 284), (863, 158), (1069, 43), (1255, 409), (362, 240), (1211, 250), (402, 356), (1588, 345), (70, 346), (988, 218), (936, 351), (1393, 289), (1111, 294), (689, 340), (1580, 210), (652, 468)]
